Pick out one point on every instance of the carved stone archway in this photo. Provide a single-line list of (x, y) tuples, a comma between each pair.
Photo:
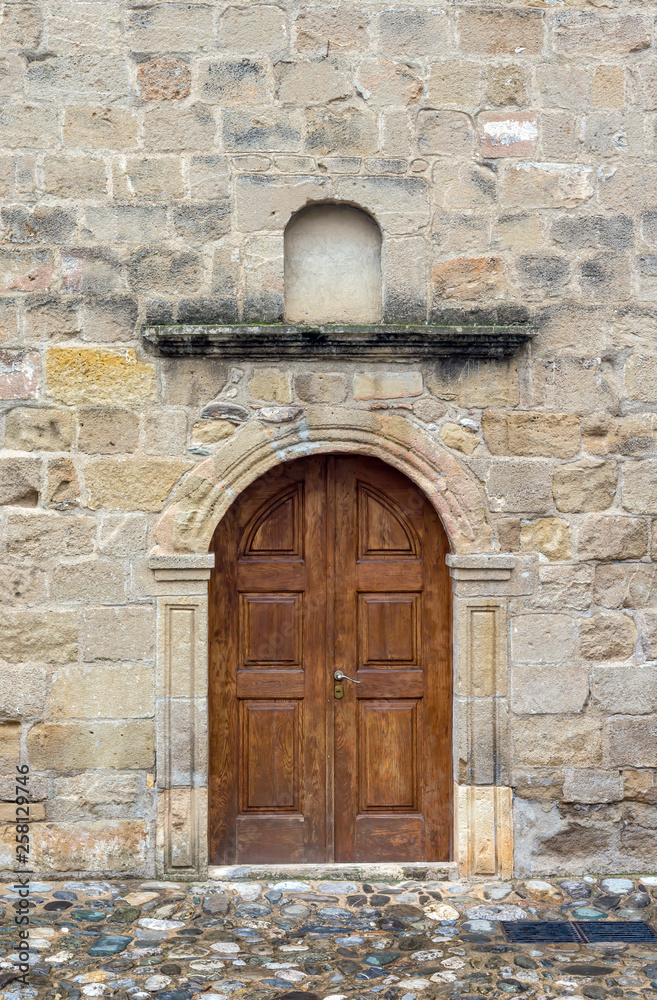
[(483, 580)]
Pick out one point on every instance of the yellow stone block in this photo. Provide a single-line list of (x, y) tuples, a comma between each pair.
[(91, 375)]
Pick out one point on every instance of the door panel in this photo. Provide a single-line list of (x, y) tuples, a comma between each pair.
[(330, 563)]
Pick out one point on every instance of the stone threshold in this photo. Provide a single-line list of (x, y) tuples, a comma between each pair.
[(378, 342), (435, 871)]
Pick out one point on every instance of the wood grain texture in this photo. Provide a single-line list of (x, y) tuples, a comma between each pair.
[(326, 563)]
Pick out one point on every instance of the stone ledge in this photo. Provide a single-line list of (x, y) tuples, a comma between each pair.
[(183, 566), (487, 566), (433, 871), (414, 342)]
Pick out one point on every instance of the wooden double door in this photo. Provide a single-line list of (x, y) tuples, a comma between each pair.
[(330, 565)]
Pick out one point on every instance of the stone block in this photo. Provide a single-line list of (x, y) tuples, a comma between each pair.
[(209, 177), (631, 585), (271, 385), (542, 276), (78, 74), (97, 127), (447, 133), (107, 691), (641, 378), (460, 438), (32, 534), (95, 271), (341, 132), (537, 689), (572, 385), (43, 429), (253, 30), (109, 319), (10, 743), (611, 537), (46, 318), (594, 232), (605, 276), (506, 135), (532, 434), (609, 87), (519, 486), (491, 32), (273, 129), (547, 741), (95, 581), (154, 29), (30, 635), (202, 222), (625, 687), (640, 486), (191, 381), (587, 485), (548, 535), (68, 746), (387, 385), (24, 270), (43, 224), (388, 83), (126, 633), (29, 125), (591, 786), (88, 796), (541, 638), (212, 431), (22, 583), (337, 29), (8, 813), (587, 33), (170, 272), (132, 483), (20, 373), (268, 202), (22, 691), (469, 278), (631, 742), (506, 85), (530, 184), (20, 481), (147, 177), (62, 485), (126, 223), (74, 176), (607, 636), (311, 82), (422, 32), (563, 587), (173, 126), (164, 79), (236, 82), (116, 846), (321, 387), (486, 383), (399, 204), (122, 534), (455, 82), (97, 375)]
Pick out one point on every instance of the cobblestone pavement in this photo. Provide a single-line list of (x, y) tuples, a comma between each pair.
[(323, 940)]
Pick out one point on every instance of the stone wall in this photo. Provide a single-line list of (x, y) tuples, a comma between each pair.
[(151, 155)]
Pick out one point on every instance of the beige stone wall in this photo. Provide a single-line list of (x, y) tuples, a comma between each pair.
[(150, 158)]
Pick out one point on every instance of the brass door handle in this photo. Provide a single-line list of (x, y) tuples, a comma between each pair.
[(339, 676)]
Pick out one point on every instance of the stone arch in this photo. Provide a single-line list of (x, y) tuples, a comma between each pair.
[(332, 265), (204, 494)]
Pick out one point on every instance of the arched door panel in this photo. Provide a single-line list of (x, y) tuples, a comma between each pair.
[(330, 563)]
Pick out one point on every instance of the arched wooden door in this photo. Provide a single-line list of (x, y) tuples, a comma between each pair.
[(330, 564)]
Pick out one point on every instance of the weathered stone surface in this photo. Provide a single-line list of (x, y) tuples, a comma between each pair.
[(126, 633), (22, 691), (34, 534), (631, 742), (95, 581), (98, 127), (88, 375), (30, 635), (640, 487), (548, 535), (102, 692), (19, 374), (107, 431), (470, 278), (516, 485), (607, 636), (609, 537), (542, 638), (271, 385), (20, 481), (489, 383), (43, 429), (542, 742), (591, 786), (321, 387), (62, 485), (112, 845), (89, 796), (632, 585), (65, 746), (132, 484), (630, 688), (387, 385), (540, 690), (10, 741), (534, 434), (212, 431), (164, 79), (460, 438), (587, 485)]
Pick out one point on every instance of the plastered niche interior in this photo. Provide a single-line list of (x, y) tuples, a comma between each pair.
[(332, 266)]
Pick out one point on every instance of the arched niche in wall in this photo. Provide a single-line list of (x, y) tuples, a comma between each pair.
[(332, 266)]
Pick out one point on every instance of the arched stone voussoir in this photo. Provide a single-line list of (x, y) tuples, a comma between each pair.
[(204, 495)]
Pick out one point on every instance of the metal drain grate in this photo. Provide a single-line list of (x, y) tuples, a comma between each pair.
[(579, 931)]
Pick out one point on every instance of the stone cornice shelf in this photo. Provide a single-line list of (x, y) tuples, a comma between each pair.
[(385, 341)]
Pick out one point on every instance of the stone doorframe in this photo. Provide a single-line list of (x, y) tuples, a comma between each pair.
[(483, 581)]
